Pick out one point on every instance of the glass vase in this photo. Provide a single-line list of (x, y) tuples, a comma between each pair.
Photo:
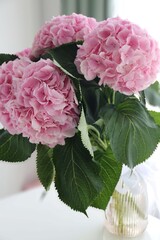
[(127, 211)]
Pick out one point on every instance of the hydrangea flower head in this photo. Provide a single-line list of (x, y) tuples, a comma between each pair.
[(121, 54), (60, 30), (40, 102), (10, 73)]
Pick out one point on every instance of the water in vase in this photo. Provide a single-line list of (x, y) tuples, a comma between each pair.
[(127, 211)]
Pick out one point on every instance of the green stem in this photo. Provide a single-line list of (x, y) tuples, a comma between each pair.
[(96, 138), (119, 210), (114, 97), (109, 101), (120, 200)]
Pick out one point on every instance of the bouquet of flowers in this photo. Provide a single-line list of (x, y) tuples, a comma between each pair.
[(78, 97)]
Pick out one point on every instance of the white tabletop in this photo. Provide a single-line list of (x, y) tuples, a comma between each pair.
[(26, 216)]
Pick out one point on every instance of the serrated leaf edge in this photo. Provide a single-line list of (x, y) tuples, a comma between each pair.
[(82, 127)]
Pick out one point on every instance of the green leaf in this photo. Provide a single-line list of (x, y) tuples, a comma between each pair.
[(110, 173), (132, 132), (92, 99), (6, 58), (65, 55), (77, 90), (156, 116), (45, 166), (153, 94), (77, 176), (83, 128), (142, 97), (14, 148)]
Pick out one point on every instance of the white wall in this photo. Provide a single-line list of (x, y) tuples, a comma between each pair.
[(19, 21), (143, 12), (50, 8)]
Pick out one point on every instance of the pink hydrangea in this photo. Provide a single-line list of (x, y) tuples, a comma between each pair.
[(121, 54), (41, 103), (60, 30), (9, 73), (24, 53)]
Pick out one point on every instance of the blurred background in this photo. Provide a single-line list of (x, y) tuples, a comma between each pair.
[(21, 19)]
